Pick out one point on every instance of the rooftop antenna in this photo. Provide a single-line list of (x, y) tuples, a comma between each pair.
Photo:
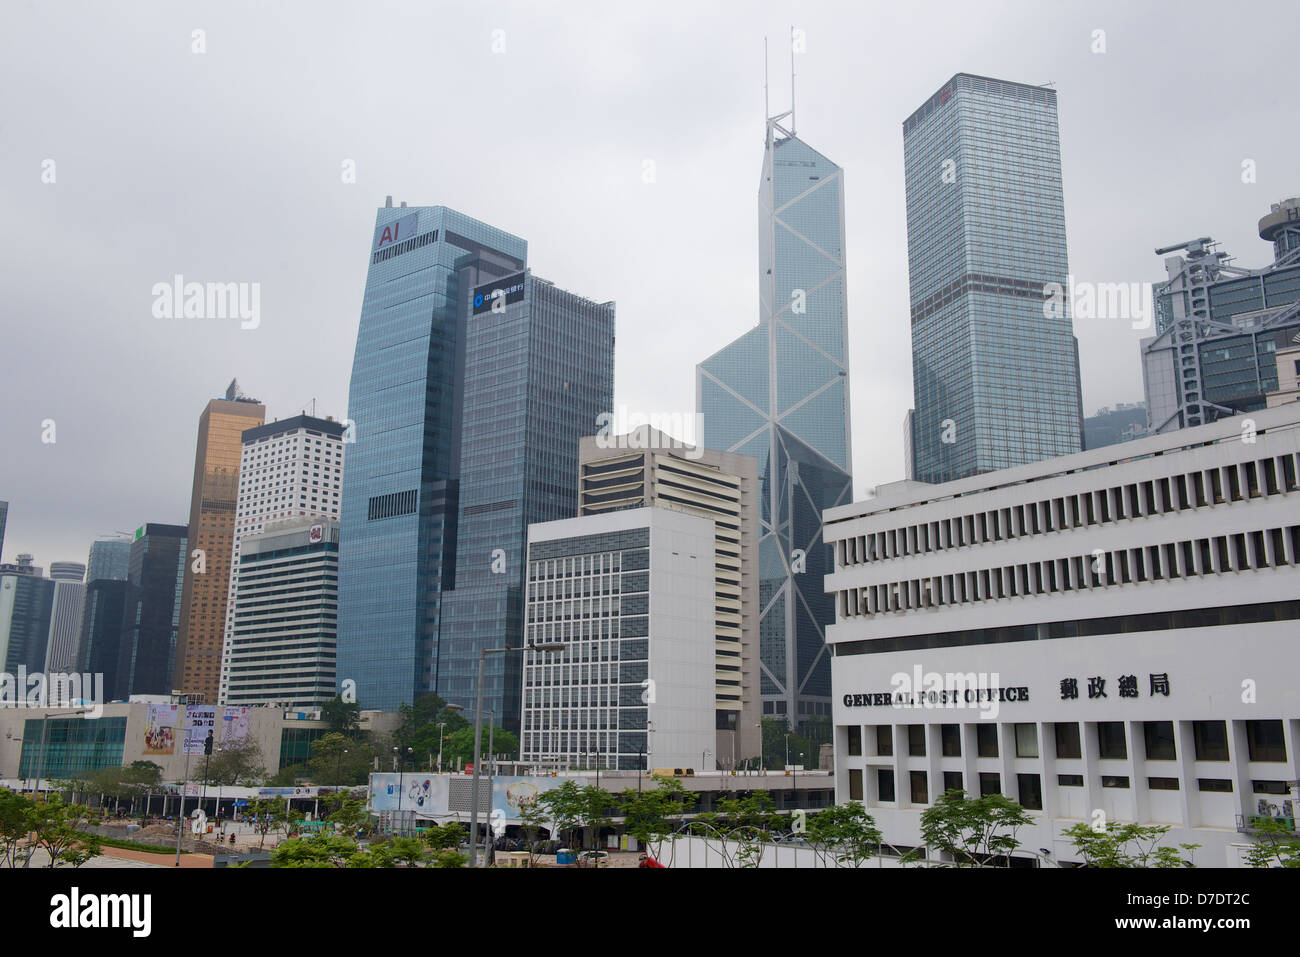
[(792, 120), (767, 105)]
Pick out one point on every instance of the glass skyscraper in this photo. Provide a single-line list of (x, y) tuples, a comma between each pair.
[(995, 373), (780, 393), (466, 408)]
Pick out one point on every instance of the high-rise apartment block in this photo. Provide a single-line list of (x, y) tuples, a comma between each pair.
[(284, 615), (289, 469), (472, 382), (647, 468), (213, 500), (994, 360), (780, 393)]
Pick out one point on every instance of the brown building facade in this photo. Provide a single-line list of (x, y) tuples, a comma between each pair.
[(212, 532)]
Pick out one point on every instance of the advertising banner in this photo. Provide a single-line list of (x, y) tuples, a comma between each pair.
[(199, 720), (161, 729), (234, 726)]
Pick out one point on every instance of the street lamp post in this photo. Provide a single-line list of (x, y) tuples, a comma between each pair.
[(441, 725), (478, 734)]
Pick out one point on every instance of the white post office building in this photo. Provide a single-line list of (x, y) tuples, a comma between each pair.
[(1112, 635)]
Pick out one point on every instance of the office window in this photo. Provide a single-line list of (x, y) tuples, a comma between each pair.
[(990, 783), (1162, 784), (920, 787), (951, 738), (1031, 791), (916, 740), (1067, 741), (1114, 781), (1159, 740), (1070, 780), (855, 784), (855, 740), (1223, 785), (1211, 739), (986, 739), (1270, 787), (1026, 741), (1265, 741), (885, 783), (884, 740), (1110, 740), (952, 781)]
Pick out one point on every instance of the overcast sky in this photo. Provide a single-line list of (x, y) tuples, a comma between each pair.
[(227, 165)]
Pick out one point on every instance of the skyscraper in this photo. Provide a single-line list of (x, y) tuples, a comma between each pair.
[(26, 606), (539, 371), (471, 385), (102, 621), (290, 469), (4, 516), (994, 361), (780, 393), (211, 531), (110, 560), (284, 615), (148, 650), (65, 616), (1219, 327), (396, 549)]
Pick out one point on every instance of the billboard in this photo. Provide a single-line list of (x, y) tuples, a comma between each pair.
[(423, 793), (396, 231), (234, 726), (508, 289), (199, 720), (160, 729)]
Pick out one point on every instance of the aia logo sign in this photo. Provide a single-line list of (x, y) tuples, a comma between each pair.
[(396, 231)]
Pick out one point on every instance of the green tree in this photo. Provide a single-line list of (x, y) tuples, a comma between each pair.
[(1275, 846), (287, 777), (1126, 845), (339, 760), (844, 834), (973, 831), (533, 817), (54, 828), (565, 806), (235, 763), (342, 716), (418, 729), (458, 746), (655, 813), (347, 814), (441, 837), (16, 822), (319, 850), (267, 815)]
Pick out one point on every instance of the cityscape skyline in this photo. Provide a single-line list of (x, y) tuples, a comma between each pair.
[(655, 325)]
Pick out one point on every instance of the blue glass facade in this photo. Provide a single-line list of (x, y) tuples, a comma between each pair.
[(538, 374), (780, 394), (399, 489), (467, 410), (995, 375)]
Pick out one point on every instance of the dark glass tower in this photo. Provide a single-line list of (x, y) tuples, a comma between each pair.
[(781, 394), (147, 649), (994, 369), (101, 631), (539, 371)]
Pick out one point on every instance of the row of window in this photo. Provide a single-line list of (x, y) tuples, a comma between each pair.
[(1242, 551), (1265, 740), (1244, 480), (1029, 786)]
